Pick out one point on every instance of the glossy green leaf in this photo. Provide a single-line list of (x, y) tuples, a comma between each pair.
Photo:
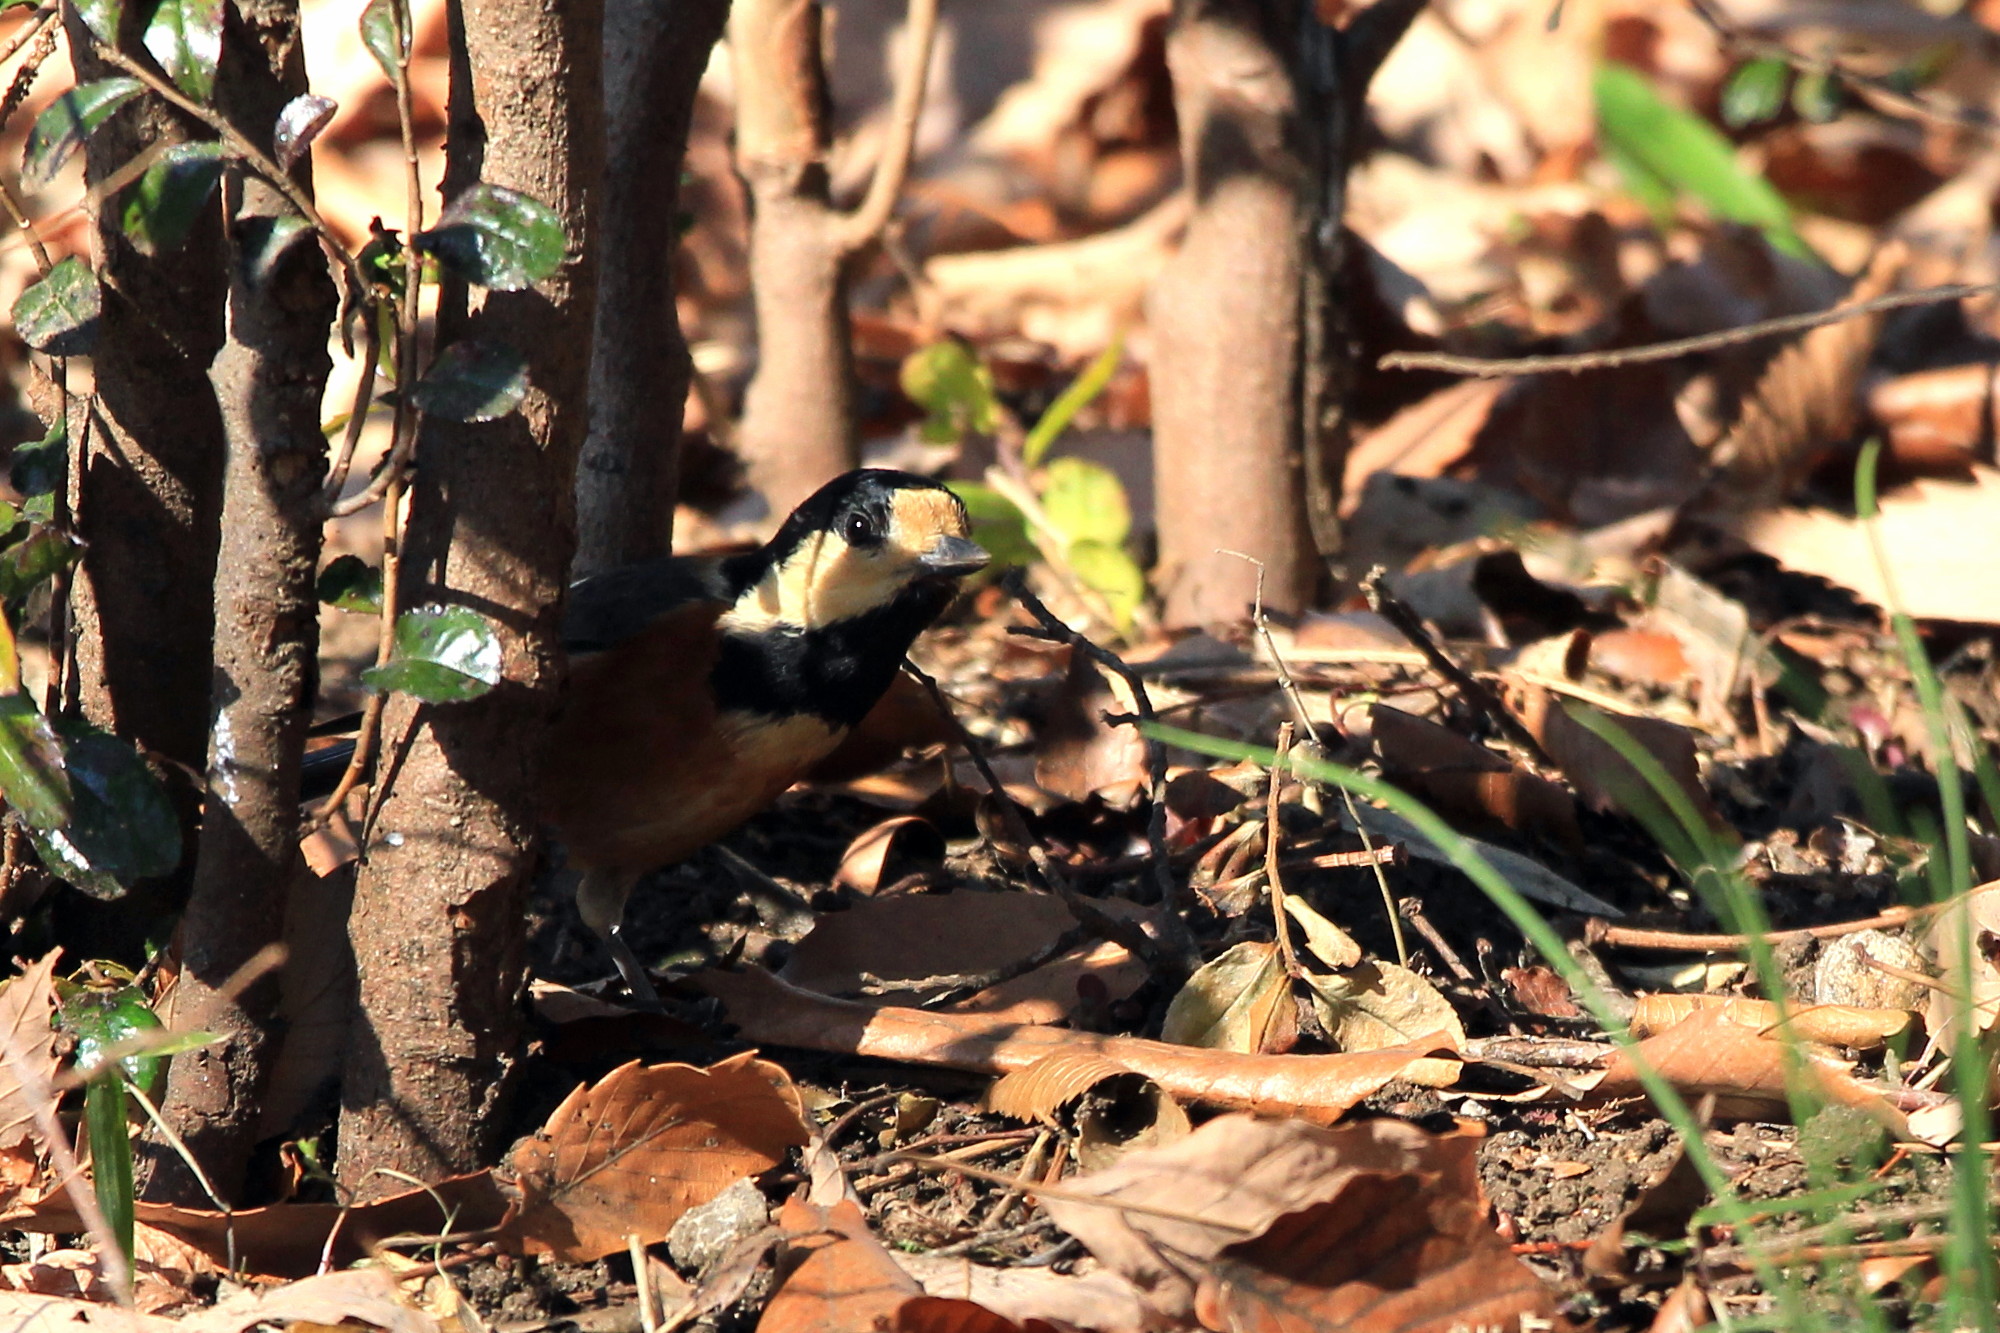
[(104, 1019), (111, 1160), (1756, 91), (185, 36), (954, 388), (58, 315), (158, 211), (1113, 575), (101, 18), (40, 466), (69, 120), (997, 524), (33, 778), (1689, 154), (33, 557), (1080, 393), (1085, 502), (497, 238), (301, 122), (263, 243), (386, 39), (352, 584), (473, 380), (441, 654), (122, 827), (1818, 96)]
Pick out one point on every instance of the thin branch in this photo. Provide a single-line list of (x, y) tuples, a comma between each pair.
[(1498, 367), (1274, 882), (1599, 931), (29, 32), (357, 417), (241, 147), (861, 226)]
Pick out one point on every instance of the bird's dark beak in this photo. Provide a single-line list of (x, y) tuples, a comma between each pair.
[(953, 556)]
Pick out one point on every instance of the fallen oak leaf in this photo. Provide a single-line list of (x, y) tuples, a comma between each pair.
[(644, 1144), (841, 1277), (1319, 1088)]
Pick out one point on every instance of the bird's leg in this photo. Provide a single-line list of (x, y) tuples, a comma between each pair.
[(600, 899)]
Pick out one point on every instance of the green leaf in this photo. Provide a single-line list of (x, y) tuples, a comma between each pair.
[(58, 315), (185, 36), (262, 243), (352, 584), (1085, 502), (298, 125), (497, 238), (32, 776), (122, 827), (104, 1019), (1112, 574), (473, 380), (111, 1160), (1689, 154), (38, 555), (101, 17), (1074, 399), (40, 466), (1818, 96), (386, 39), (997, 524), (160, 209), (954, 388), (61, 130), (1756, 91), (441, 654)]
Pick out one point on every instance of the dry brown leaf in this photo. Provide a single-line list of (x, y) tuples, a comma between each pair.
[(1602, 776), (1077, 753), (289, 1239), (1829, 1024), (967, 933), (1424, 439), (1328, 942), (843, 1280), (1945, 944), (1644, 657), (1248, 1219), (881, 855), (27, 1008), (1805, 402), (1100, 1302), (1941, 540), (1540, 990), (1936, 420), (1240, 1001), (1117, 1111), (1376, 1005), (632, 1152), (1313, 1087), (1708, 1052), (949, 1314)]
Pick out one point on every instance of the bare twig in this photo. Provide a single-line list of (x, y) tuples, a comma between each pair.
[(1600, 931), (1407, 623), (1273, 845), (357, 417), (1412, 910), (44, 18), (862, 225), (1498, 367)]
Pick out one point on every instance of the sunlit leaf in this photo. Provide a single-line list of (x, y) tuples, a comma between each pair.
[(185, 36), (1689, 154), (263, 242), (35, 556), (1756, 91), (158, 211), (61, 130), (386, 39), (351, 584), (997, 524), (1818, 96), (1082, 390), (299, 124), (953, 387), (498, 238), (1112, 574), (1085, 501), (104, 1019), (441, 654), (473, 380), (122, 827), (1239, 1001), (58, 315), (32, 777), (101, 18)]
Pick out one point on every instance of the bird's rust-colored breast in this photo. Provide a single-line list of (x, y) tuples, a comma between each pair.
[(642, 768)]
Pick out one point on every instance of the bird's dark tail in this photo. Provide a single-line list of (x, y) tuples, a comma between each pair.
[(323, 767)]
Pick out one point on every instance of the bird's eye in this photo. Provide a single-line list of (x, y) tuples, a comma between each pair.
[(859, 530)]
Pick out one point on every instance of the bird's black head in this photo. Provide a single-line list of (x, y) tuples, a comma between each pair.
[(864, 542)]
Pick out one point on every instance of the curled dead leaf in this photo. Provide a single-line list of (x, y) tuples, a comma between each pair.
[(881, 855), (1829, 1024), (1117, 1110)]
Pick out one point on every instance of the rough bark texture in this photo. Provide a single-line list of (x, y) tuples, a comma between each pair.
[(268, 377), (798, 415), (1224, 316), (146, 486), (437, 925), (628, 476)]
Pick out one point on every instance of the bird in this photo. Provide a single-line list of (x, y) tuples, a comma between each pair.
[(701, 687)]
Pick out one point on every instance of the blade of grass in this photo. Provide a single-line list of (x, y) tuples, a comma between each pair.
[(1072, 400)]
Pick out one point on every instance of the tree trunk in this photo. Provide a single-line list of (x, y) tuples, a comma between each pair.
[(1224, 316), (627, 479), (146, 487), (268, 380), (437, 925), (798, 415)]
